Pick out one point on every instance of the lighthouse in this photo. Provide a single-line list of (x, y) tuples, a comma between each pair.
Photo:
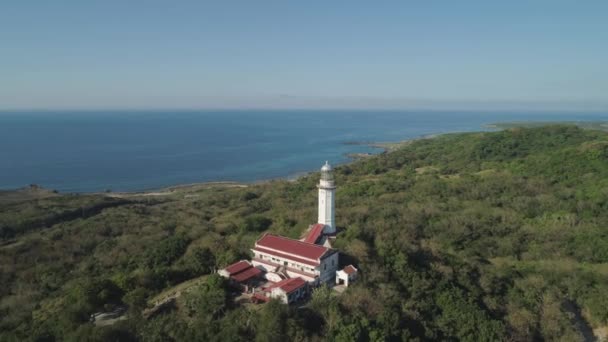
[(327, 195)]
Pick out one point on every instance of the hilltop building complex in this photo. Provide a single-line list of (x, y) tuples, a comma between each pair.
[(293, 258), (286, 268)]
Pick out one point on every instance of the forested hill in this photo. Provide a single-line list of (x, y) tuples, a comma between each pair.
[(473, 237)]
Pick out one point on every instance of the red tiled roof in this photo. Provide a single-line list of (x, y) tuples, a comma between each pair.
[(289, 257), (350, 269), (247, 274), (315, 233), (291, 246), (289, 285), (238, 267), (292, 284)]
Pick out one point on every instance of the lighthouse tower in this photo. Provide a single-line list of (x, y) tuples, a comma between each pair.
[(327, 195)]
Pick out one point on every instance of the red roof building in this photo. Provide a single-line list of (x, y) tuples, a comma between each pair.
[(248, 274), (294, 258), (292, 247), (237, 267), (290, 285), (346, 275), (240, 272), (309, 262), (288, 290)]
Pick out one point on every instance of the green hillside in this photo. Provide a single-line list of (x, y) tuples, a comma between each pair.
[(473, 237)]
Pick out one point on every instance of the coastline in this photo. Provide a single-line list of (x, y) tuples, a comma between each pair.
[(384, 147)]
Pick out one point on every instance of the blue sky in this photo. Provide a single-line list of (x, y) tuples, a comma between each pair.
[(304, 54)]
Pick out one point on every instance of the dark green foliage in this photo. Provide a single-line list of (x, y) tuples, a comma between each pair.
[(207, 300), (17, 218), (167, 251), (596, 301), (248, 196), (271, 323), (462, 318), (256, 223), (7, 233), (136, 300), (94, 294), (199, 261)]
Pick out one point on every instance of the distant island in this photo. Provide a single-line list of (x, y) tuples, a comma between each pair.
[(481, 236)]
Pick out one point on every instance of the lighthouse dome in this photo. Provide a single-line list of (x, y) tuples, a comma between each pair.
[(326, 167)]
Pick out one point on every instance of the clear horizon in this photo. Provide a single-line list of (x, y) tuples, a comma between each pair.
[(473, 55)]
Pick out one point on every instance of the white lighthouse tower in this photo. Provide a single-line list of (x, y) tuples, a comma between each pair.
[(327, 195)]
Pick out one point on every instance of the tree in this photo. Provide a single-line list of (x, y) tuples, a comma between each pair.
[(95, 293), (208, 300), (256, 223), (136, 300), (200, 261), (166, 251), (271, 322)]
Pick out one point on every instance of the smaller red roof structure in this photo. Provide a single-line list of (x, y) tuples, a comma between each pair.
[(247, 274), (350, 269), (237, 267), (240, 271), (292, 284), (288, 285), (315, 233)]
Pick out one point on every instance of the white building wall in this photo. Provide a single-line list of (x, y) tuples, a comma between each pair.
[(224, 273), (312, 270), (279, 294), (296, 274), (341, 275)]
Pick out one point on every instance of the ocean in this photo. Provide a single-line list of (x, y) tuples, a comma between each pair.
[(138, 150)]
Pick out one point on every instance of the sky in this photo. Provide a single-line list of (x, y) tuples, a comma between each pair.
[(116, 54)]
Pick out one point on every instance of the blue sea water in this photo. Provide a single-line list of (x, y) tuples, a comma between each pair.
[(128, 151)]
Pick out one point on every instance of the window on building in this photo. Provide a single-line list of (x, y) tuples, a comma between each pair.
[(324, 267), (332, 262), (285, 263)]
